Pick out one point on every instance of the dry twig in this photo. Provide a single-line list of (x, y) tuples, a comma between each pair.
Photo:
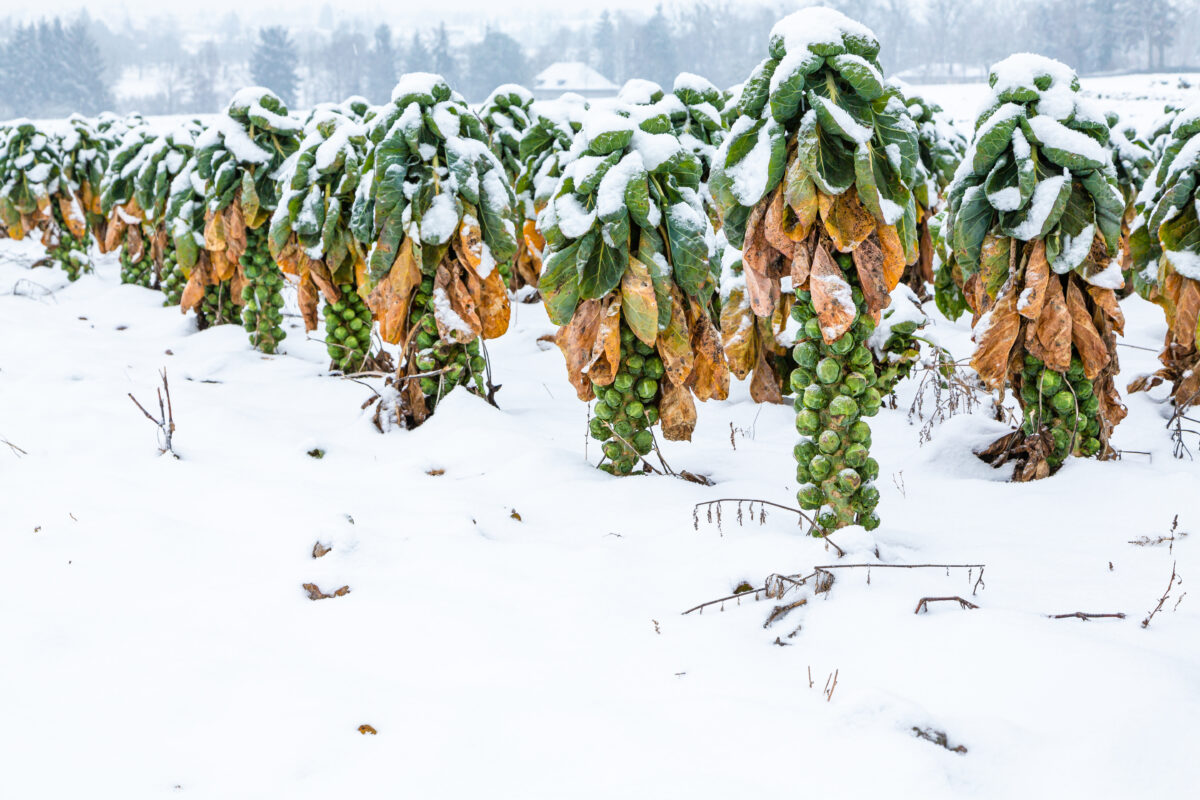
[(166, 415)]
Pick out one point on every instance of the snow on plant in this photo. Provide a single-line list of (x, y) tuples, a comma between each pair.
[(310, 234), (184, 221), (1165, 246), (544, 149), (240, 157), (941, 150), (134, 199), (894, 343), (626, 274), (700, 127), (1034, 228), (815, 181), (36, 194), (1133, 161), (85, 157), (507, 114), (439, 215)]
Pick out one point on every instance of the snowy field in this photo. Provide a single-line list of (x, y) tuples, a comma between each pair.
[(514, 626)]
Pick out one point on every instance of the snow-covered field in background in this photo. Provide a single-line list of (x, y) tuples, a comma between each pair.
[(513, 627), (1138, 98)]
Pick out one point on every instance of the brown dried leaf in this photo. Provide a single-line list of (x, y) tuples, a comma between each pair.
[(846, 220), (193, 292), (1106, 301), (774, 225), (676, 411), (831, 296), (576, 340), (1087, 340), (868, 262), (214, 232), (1037, 278), (738, 334), (235, 231), (315, 593), (606, 350), (674, 343), (801, 264), (309, 299), (494, 310), (710, 375), (996, 340), (1187, 311), (1050, 338), (925, 253), (469, 244), (390, 299), (764, 385), (454, 308), (758, 257)]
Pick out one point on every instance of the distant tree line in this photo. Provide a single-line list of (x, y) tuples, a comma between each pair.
[(51, 68)]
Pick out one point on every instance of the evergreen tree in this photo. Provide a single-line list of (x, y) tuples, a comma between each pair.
[(87, 92), (498, 58), (444, 61), (604, 46), (273, 63), (202, 71), (418, 59), (381, 66), (656, 46)]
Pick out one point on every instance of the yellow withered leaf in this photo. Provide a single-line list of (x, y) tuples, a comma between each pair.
[(846, 219), (831, 296)]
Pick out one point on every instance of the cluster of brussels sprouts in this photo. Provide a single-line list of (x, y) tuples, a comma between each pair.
[(262, 312), (140, 272), (835, 387), (217, 308), (1064, 404), (173, 280), (627, 408), (348, 330)]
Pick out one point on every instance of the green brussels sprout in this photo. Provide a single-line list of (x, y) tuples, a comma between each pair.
[(821, 466), (623, 382), (843, 406), (810, 497), (861, 357), (829, 370), (806, 354), (812, 328), (647, 388), (869, 521), (651, 415), (829, 442), (635, 363), (815, 397), (860, 432), (868, 496), (643, 441), (635, 409), (604, 411), (804, 450), (848, 480), (855, 384), (1050, 382), (843, 344), (856, 455), (654, 367), (1063, 402), (623, 428), (612, 398), (642, 349), (870, 470), (871, 401), (808, 422)]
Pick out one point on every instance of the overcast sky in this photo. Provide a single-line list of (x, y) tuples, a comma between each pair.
[(307, 11)]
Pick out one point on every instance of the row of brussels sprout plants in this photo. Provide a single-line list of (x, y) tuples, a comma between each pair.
[(786, 231)]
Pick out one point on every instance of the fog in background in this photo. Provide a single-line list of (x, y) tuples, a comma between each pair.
[(60, 57)]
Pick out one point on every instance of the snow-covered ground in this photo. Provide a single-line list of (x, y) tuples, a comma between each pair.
[(513, 627)]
